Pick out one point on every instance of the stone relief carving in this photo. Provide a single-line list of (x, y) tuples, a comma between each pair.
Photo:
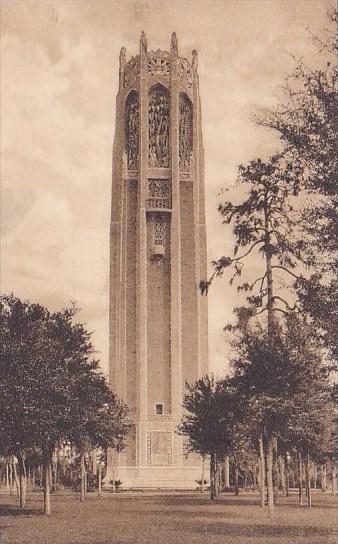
[(159, 62), (158, 194), (185, 133), (159, 448), (132, 120), (131, 69), (159, 127), (185, 73)]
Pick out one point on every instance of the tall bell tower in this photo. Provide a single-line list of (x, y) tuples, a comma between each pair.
[(158, 319)]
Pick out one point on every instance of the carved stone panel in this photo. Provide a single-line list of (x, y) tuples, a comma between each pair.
[(185, 73), (185, 133), (159, 231), (158, 194), (131, 70), (132, 127), (159, 127), (159, 448), (158, 63)]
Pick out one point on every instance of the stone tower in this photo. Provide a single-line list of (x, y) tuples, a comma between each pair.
[(158, 319)]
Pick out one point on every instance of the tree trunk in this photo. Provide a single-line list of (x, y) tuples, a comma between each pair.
[(10, 467), (334, 478), (287, 475), (268, 268), (46, 485), (22, 480), (323, 478), (271, 331), (315, 476), (113, 480), (33, 478), (262, 470), (226, 473), (269, 468), (83, 478), (8, 485), (218, 478), (212, 476), (236, 477), (307, 481), (281, 463), (99, 478), (300, 478), (94, 461), (51, 481), (16, 480), (203, 472)]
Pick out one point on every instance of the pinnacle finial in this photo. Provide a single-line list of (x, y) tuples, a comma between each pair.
[(122, 57), (122, 60), (173, 44), (194, 59), (143, 42)]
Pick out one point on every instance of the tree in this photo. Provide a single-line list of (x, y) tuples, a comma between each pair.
[(263, 223), (209, 421), (310, 427), (306, 122), (287, 387), (24, 354), (98, 417), (46, 362)]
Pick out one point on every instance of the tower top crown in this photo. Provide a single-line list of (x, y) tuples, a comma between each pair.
[(157, 64)]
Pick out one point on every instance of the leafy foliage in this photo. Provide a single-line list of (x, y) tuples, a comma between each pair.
[(209, 421), (51, 389)]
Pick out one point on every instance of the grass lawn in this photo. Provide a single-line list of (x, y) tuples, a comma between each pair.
[(186, 518)]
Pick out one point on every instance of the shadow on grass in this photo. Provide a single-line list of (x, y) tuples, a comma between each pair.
[(319, 506), (241, 530), (205, 501), (16, 511)]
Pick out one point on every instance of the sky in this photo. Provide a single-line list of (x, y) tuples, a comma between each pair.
[(59, 79)]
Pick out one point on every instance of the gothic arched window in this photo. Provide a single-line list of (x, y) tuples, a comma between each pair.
[(185, 133), (132, 127), (159, 127)]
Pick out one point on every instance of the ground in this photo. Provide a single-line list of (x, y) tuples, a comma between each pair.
[(189, 518)]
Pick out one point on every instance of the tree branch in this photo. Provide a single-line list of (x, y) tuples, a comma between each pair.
[(261, 311), (280, 310), (249, 251), (276, 297), (286, 270)]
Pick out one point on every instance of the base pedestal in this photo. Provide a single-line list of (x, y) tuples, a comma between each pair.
[(159, 477)]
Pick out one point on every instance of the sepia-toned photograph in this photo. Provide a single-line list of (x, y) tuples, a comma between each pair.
[(168, 303)]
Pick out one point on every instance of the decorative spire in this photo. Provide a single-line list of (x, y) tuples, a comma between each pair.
[(122, 58), (143, 43), (122, 61), (173, 44), (194, 60)]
